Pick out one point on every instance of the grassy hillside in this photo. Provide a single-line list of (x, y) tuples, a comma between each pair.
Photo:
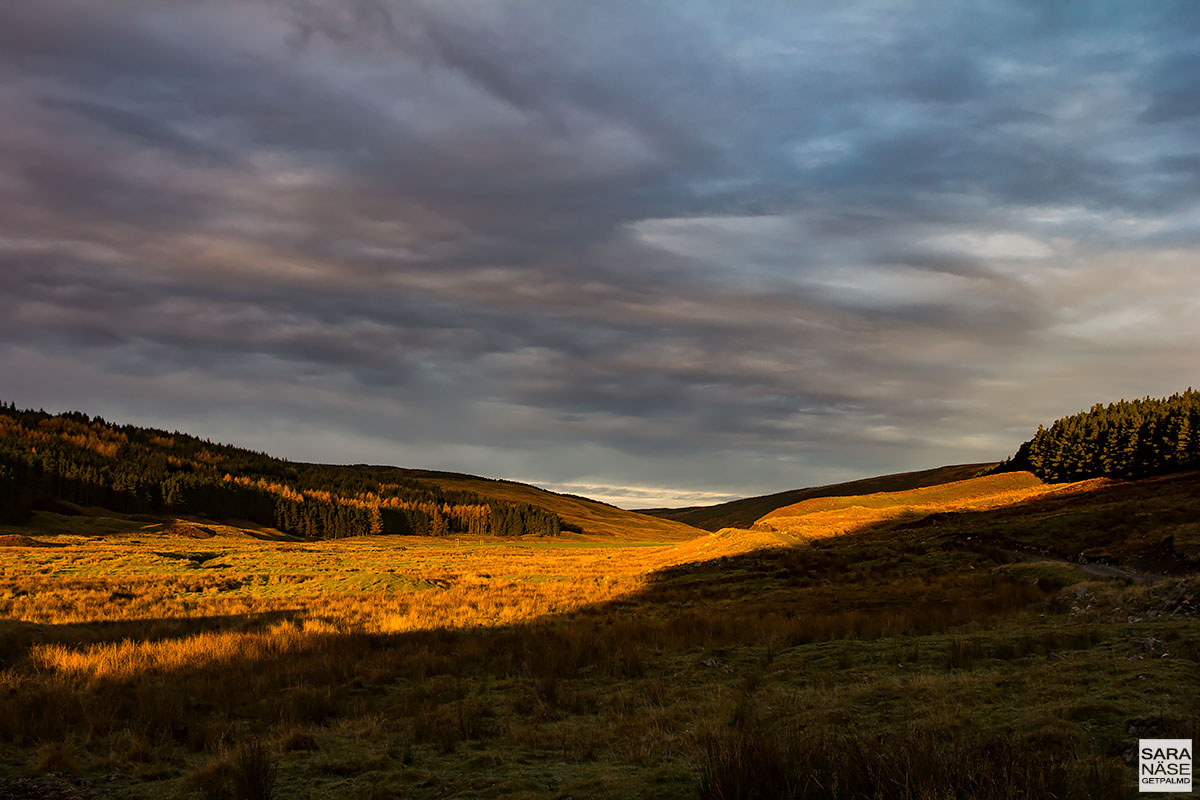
[(50, 461), (825, 516), (595, 518), (743, 513), (1151, 525)]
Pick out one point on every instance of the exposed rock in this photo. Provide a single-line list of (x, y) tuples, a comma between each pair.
[(1150, 643)]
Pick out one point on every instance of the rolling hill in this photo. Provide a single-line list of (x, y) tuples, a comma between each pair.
[(597, 519), (973, 493), (73, 461), (743, 513), (1148, 525)]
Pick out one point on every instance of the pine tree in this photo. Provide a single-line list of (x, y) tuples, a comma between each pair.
[(1130, 439)]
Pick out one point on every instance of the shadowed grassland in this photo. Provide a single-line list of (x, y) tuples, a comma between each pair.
[(907, 659), (1152, 524)]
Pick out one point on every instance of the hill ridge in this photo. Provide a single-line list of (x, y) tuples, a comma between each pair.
[(74, 458), (746, 511)]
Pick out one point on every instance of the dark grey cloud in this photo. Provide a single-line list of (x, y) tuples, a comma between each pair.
[(684, 248)]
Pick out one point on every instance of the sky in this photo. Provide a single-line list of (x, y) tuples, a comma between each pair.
[(654, 253)]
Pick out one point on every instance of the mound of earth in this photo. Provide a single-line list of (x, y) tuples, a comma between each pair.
[(57, 506), (187, 531), (20, 540)]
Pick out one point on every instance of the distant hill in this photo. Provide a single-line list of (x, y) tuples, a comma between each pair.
[(743, 513), (592, 516), (72, 459)]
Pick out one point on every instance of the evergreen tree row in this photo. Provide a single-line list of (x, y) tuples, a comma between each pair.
[(90, 462), (1126, 439), (12, 505)]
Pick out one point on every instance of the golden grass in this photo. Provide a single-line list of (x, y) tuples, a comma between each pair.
[(742, 513), (834, 516), (824, 517)]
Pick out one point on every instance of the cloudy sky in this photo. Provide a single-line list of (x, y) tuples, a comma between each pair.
[(658, 253)]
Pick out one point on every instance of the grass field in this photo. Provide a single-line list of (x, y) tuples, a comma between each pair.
[(910, 655)]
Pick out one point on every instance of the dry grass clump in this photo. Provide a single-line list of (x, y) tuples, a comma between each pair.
[(57, 756), (253, 771), (248, 771)]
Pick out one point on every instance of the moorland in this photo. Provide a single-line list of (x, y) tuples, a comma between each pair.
[(993, 635)]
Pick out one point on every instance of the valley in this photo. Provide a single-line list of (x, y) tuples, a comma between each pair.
[(841, 646)]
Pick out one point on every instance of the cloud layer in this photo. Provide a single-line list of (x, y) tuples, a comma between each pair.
[(691, 250)]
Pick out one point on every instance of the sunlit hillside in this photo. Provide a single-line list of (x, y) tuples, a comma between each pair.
[(837, 515), (1146, 524), (830, 516), (743, 513)]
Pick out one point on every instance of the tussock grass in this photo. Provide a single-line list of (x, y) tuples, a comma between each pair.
[(744, 763), (253, 771)]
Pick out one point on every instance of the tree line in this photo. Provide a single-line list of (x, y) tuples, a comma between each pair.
[(1126, 439), (75, 458)]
